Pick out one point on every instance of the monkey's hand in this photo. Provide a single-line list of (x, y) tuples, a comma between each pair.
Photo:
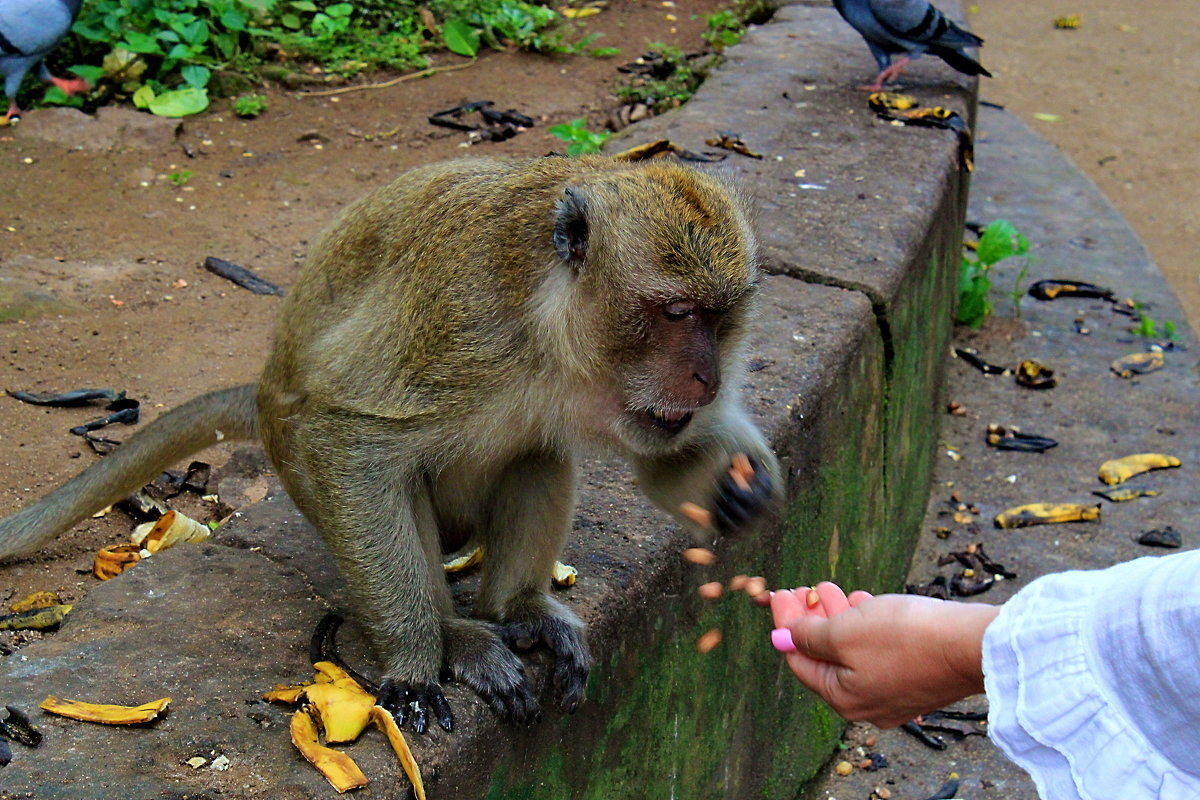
[(414, 702), (476, 655), (729, 472), (536, 618), (740, 498)]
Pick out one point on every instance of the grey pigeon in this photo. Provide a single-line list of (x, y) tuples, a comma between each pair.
[(909, 29), (29, 30)]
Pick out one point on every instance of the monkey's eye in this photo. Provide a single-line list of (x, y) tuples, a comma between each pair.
[(678, 310)]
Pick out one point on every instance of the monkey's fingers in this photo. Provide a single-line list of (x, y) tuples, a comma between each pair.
[(495, 673), (736, 506), (411, 704), (572, 660)]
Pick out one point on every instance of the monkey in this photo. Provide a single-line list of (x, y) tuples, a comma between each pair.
[(453, 343)]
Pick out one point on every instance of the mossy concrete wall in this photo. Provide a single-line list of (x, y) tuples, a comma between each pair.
[(860, 222)]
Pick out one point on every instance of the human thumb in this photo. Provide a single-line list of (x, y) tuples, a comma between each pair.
[(811, 636)]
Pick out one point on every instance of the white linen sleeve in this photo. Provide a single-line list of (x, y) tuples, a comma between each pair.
[(1093, 681)]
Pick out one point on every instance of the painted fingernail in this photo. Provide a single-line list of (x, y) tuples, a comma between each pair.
[(781, 639)]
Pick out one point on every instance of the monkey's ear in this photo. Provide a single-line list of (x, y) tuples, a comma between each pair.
[(571, 227)]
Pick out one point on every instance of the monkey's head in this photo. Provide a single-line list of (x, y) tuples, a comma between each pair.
[(663, 268)]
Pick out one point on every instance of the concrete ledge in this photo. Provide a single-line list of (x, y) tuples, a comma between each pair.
[(847, 380)]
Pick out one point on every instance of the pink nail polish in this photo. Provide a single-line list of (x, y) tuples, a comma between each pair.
[(781, 638)]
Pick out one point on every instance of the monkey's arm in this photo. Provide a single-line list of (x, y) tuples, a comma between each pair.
[(228, 414), (699, 473)]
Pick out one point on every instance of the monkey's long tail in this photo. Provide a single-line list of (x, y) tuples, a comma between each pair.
[(228, 414)]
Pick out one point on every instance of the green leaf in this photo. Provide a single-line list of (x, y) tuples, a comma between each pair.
[(998, 242), (339, 10), (234, 21), (180, 102), (304, 5), (195, 75), (90, 73), (194, 33), (141, 43), (290, 21), (460, 37), (143, 96)]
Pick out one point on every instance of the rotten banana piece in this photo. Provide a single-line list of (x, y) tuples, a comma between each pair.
[(563, 576), (1045, 514), (1138, 364), (37, 619), (18, 728), (1051, 289), (111, 561), (105, 714), (337, 767), (1119, 470), (36, 600), (1126, 494)]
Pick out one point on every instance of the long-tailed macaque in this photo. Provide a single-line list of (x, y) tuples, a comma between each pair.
[(452, 343)]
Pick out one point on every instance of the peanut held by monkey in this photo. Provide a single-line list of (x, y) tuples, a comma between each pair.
[(452, 344)]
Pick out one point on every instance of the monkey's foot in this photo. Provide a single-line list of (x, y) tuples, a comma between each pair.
[(413, 702), (476, 656), (564, 637), (736, 506)]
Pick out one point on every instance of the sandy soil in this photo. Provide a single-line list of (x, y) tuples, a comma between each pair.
[(1123, 85), (121, 246)]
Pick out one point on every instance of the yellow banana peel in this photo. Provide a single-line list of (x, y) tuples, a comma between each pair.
[(36, 600), (1122, 469), (1046, 513), (471, 559), (36, 619), (339, 677), (106, 714), (564, 575), (344, 713), (111, 561), (386, 723), (282, 693), (338, 768)]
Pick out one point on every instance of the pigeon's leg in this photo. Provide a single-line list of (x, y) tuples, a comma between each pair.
[(68, 85), (893, 71), (13, 111)]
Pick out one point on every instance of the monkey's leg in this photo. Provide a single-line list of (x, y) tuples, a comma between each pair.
[(372, 507), (529, 518)]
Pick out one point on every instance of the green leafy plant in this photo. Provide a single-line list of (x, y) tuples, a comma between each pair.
[(513, 23), (580, 141), (250, 105), (1148, 327), (180, 177), (682, 75), (723, 28), (1000, 240)]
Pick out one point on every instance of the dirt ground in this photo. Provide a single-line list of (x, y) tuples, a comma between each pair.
[(1123, 86), (121, 247)]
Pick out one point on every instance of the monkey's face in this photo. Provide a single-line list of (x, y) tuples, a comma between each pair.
[(665, 272)]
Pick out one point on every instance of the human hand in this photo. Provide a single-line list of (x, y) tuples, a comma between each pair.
[(884, 659)]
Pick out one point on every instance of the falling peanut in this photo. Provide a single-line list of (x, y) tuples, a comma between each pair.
[(708, 641), (738, 582), (710, 591), (756, 586), (741, 466), (812, 599), (699, 555), (697, 514)]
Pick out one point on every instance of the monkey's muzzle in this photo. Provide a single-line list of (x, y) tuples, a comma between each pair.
[(670, 421)]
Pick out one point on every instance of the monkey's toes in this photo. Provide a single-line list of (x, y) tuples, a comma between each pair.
[(736, 506), (572, 660), (412, 703)]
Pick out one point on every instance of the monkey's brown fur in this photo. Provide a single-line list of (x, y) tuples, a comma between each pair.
[(452, 343)]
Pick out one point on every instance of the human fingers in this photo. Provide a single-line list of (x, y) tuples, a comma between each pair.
[(833, 599), (811, 637), (787, 605), (857, 597)]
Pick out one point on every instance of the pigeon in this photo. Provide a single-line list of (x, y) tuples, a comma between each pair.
[(29, 30), (908, 28)]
